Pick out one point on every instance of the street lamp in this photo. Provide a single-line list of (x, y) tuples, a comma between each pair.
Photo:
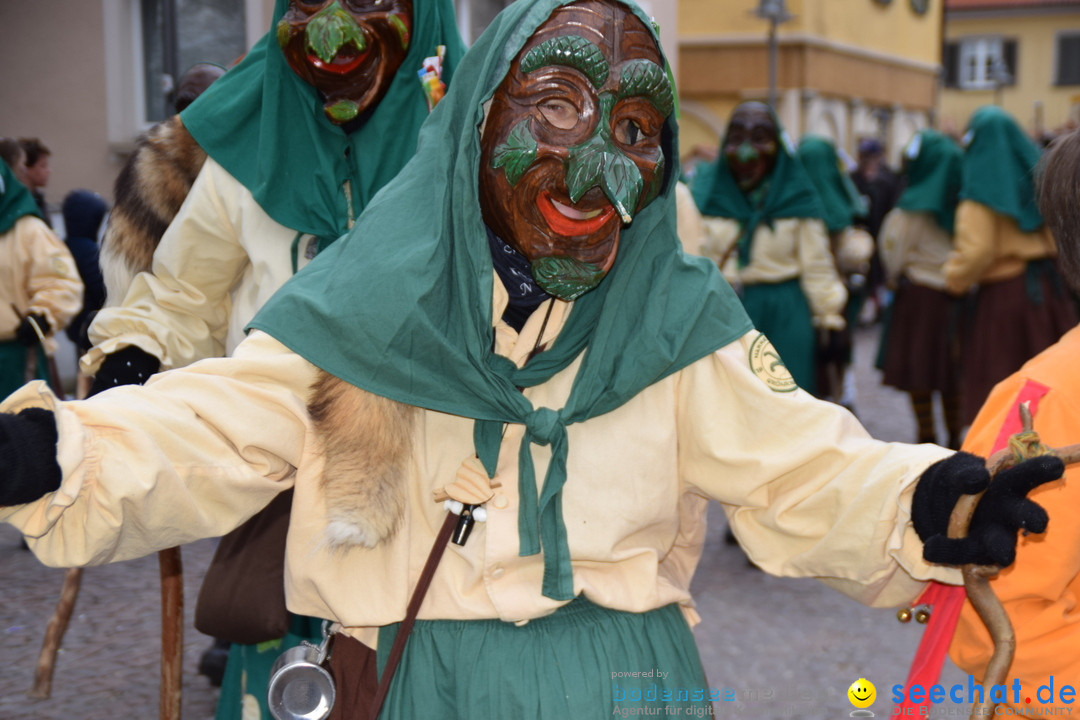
[(775, 12)]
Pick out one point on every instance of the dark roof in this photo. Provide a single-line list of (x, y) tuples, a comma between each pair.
[(1009, 4)]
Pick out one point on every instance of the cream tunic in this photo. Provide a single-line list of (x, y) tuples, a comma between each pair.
[(221, 258), (914, 246), (37, 276), (791, 248), (199, 450)]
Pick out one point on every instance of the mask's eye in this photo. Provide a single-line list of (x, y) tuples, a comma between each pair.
[(628, 132), (559, 113)]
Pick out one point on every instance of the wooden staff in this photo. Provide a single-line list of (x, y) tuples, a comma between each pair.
[(1022, 446)]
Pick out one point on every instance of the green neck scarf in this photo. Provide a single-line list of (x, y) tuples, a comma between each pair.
[(266, 127), (790, 194), (932, 168), (402, 305), (840, 200), (999, 161), (15, 199)]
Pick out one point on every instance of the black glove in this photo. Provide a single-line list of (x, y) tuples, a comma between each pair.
[(28, 467), (1001, 512), (834, 346), (25, 333), (130, 366)]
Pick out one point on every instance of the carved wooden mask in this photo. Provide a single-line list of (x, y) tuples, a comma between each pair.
[(348, 50), (751, 144), (571, 148)]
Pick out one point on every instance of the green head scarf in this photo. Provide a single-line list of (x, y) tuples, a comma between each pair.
[(402, 305), (999, 161), (840, 199), (266, 127), (932, 166), (790, 193), (15, 199)]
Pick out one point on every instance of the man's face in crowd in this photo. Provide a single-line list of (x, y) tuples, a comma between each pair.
[(571, 145), (37, 175), (751, 145), (348, 50)]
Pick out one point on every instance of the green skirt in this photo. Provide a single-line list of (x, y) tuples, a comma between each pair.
[(781, 312), (583, 661), (13, 367)]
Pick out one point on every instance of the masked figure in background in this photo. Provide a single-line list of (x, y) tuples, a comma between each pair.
[(537, 345), (40, 289), (300, 135), (852, 247), (920, 343), (1004, 256), (766, 230)]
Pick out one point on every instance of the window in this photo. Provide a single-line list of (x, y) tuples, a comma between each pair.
[(150, 43), (1068, 59), (177, 34), (981, 63)]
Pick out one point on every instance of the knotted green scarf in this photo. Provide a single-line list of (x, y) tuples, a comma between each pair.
[(15, 199), (999, 161), (932, 167), (266, 127), (840, 199), (790, 194), (402, 305)]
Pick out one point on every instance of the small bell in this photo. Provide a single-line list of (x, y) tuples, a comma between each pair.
[(922, 616), (904, 615)]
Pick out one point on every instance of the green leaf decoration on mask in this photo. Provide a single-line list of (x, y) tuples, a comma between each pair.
[(517, 153), (598, 162), (398, 24), (564, 277), (572, 51), (646, 78), (342, 111), (331, 29), (283, 32)]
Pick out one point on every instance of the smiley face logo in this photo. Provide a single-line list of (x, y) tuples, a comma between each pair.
[(862, 693)]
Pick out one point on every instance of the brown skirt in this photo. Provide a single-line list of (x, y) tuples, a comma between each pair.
[(1012, 322), (922, 341)]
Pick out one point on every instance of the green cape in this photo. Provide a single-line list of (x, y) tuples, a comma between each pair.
[(932, 167), (266, 127), (402, 305), (790, 193), (15, 199), (999, 161), (840, 199)]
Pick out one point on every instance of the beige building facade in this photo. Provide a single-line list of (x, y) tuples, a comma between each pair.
[(1023, 55), (846, 69)]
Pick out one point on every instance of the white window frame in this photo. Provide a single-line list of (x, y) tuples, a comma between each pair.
[(984, 50), (124, 68)]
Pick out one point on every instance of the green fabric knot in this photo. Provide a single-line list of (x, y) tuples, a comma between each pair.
[(544, 426)]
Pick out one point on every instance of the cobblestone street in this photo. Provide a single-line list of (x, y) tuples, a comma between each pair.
[(788, 648)]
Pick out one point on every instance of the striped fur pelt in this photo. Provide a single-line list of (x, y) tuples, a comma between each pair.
[(148, 193)]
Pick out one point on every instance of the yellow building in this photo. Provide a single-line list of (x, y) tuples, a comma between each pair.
[(1021, 54), (846, 69)]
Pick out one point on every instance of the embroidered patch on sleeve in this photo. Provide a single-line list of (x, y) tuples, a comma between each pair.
[(767, 365)]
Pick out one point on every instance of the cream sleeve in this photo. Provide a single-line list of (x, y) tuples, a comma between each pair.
[(190, 455), (973, 246), (806, 489), (53, 287), (179, 311), (894, 245), (818, 276)]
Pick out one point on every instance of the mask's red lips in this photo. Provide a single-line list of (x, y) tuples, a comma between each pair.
[(344, 62), (568, 221)]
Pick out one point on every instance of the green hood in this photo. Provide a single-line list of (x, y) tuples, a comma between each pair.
[(999, 161), (932, 168), (840, 199), (790, 193), (266, 127), (15, 199), (414, 324)]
